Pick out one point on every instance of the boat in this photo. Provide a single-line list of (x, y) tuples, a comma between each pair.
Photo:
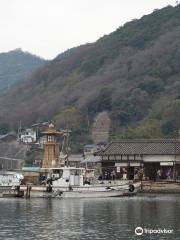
[(10, 184), (60, 180), (70, 182), (10, 179)]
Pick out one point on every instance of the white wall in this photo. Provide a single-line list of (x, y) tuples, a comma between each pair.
[(160, 158)]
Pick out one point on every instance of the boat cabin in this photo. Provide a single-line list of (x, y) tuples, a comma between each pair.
[(65, 176), (10, 178)]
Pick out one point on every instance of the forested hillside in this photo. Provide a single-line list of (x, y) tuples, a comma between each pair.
[(16, 66), (133, 73)]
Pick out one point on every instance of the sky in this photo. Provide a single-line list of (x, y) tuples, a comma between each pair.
[(49, 27)]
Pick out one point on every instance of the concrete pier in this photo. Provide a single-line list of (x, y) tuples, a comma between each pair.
[(160, 187)]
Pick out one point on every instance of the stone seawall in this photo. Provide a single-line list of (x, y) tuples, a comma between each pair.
[(161, 187)]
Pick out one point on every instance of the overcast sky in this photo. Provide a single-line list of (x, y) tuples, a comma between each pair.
[(48, 27)]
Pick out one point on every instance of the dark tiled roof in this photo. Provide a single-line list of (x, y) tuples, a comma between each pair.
[(144, 147)]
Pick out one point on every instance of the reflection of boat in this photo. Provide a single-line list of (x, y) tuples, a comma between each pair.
[(69, 182), (10, 184)]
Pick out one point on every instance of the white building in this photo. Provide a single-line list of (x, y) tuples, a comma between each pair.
[(29, 136)]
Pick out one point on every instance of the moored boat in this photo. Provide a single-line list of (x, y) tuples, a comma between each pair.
[(69, 182), (58, 179), (10, 184), (10, 179)]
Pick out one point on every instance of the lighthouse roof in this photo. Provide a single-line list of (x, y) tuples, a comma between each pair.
[(51, 130)]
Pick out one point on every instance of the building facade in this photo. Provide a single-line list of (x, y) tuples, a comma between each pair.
[(29, 136), (157, 158)]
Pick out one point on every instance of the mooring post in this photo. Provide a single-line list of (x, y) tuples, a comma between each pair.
[(28, 191)]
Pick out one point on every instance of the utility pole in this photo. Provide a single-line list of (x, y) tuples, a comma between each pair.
[(67, 144), (176, 137), (19, 130), (88, 124)]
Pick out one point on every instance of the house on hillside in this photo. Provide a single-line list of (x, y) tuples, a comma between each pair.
[(158, 158), (28, 136), (90, 149)]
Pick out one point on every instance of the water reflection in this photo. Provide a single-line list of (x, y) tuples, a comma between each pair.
[(114, 218)]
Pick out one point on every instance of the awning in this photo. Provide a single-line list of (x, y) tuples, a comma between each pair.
[(121, 164), (31, 169), (131, 164), (136, 164), (166, 163), (91, 159)]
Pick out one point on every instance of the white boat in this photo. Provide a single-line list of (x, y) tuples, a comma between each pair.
[(69, 182), (10, 179), (10, 184)]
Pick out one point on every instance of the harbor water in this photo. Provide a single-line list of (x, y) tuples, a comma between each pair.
[(113, 218)]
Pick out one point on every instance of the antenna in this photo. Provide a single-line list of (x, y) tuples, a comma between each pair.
[(19, 130), (87, 115)]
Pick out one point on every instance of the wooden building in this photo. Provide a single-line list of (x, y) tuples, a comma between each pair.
[(51, 147), (152, 155)]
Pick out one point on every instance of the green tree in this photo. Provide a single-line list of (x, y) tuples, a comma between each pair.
[(147, 129), (104, 100), (168, 127)]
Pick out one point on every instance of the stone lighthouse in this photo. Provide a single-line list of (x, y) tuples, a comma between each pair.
[(51, 147)]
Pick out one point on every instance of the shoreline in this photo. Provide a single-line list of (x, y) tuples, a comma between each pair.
[(161, 187)]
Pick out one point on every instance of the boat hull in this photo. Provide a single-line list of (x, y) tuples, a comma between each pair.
[(96, 191), (10, 192), (91, 191), (95, 194)]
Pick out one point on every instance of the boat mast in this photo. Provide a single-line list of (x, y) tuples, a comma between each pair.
[(67, 133), (65, 146)]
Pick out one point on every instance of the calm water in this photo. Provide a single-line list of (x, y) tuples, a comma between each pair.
[(114, 218)]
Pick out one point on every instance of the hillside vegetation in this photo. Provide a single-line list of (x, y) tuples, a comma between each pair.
[(133, 73), (16, 66)]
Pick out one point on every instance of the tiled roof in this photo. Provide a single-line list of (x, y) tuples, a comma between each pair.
[(144, 147)]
